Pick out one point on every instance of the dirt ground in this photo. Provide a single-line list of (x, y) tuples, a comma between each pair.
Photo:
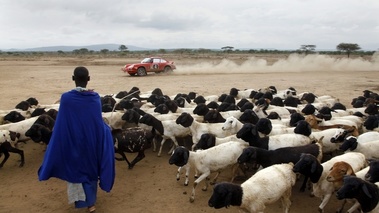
[(151, 185)]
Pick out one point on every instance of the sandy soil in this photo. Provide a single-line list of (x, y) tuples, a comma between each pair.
[(151, 185)]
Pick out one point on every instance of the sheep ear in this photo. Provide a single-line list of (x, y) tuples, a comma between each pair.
[(47, 121), (234, 123), (213, 140), (350, 171), (228, 199), (254, 131), (314, 166), (365, 190)]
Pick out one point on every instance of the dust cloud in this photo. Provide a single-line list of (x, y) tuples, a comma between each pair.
[(293, 63)]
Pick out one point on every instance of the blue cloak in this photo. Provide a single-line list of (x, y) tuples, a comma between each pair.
[(81, 146)]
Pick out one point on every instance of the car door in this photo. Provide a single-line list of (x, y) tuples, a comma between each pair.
[(155, 66)]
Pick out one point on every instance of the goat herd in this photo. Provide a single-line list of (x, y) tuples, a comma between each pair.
[(277, 136)]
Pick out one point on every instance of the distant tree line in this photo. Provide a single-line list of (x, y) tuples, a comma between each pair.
[(342, 48)]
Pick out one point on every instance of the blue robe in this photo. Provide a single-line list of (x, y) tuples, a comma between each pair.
[(81, 146)]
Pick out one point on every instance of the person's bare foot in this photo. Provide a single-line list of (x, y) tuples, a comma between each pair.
[(92, 209)]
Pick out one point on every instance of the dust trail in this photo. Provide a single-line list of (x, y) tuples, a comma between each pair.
[(294, 63)]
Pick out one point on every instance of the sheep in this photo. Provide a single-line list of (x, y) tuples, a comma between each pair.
[(173, 107), (318, 123), (340, 136), (264, 187), (20, 127), (342, 133), (114, 119), (39, 133), (16, 116), (8, 139), (250, 134), (336, 174), (239, 94), (369, 148), (372, 173), (249, 116), (205, 99), (330, 145), (131, 140), (197, 129), (371, 123), (163, 112), (262, 113), (314, 122), (309, 166), (232, 124), (214, 159), (214, 116), (208, 140), (366, 193), (23, 105), (337, 171), (267, 158), (167, 129)]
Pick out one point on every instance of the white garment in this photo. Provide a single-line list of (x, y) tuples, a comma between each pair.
[(75, 192)]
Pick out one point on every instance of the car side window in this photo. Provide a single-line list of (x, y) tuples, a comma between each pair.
[(156, 60)]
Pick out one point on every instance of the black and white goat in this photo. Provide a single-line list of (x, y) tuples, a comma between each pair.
[(8, 139), (132, 140)]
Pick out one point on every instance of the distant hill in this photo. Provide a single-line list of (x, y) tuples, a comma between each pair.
[(95, 47)]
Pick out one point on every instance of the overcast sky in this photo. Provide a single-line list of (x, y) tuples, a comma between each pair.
[(279, 24)]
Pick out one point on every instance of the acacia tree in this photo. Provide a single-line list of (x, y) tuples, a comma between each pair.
[(307, 48), (123, 48), (348, 48), (227, 48)]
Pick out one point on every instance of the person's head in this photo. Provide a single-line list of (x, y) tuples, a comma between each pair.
[(81, 76)]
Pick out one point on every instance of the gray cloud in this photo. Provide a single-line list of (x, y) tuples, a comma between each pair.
[(281, 24)]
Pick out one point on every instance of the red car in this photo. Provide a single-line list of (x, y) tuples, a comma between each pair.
[(151, 64)]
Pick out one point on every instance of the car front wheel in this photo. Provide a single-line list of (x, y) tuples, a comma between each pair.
[(141, 71)]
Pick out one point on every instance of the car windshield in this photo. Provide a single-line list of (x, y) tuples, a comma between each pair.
[(146, 60)]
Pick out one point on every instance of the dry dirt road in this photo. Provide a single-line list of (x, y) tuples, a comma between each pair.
[(151, 185)]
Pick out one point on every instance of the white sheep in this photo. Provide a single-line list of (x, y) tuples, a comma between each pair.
[(167, 129), (250, 134), (232, 124), (209, 140), (113, 119), (309, 166), (344, 120), (214, 159), (20, 127), (239, 94), (369, 148), (281, 129), (197, 129), (283, 112), (328, 134), (264, 187)]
